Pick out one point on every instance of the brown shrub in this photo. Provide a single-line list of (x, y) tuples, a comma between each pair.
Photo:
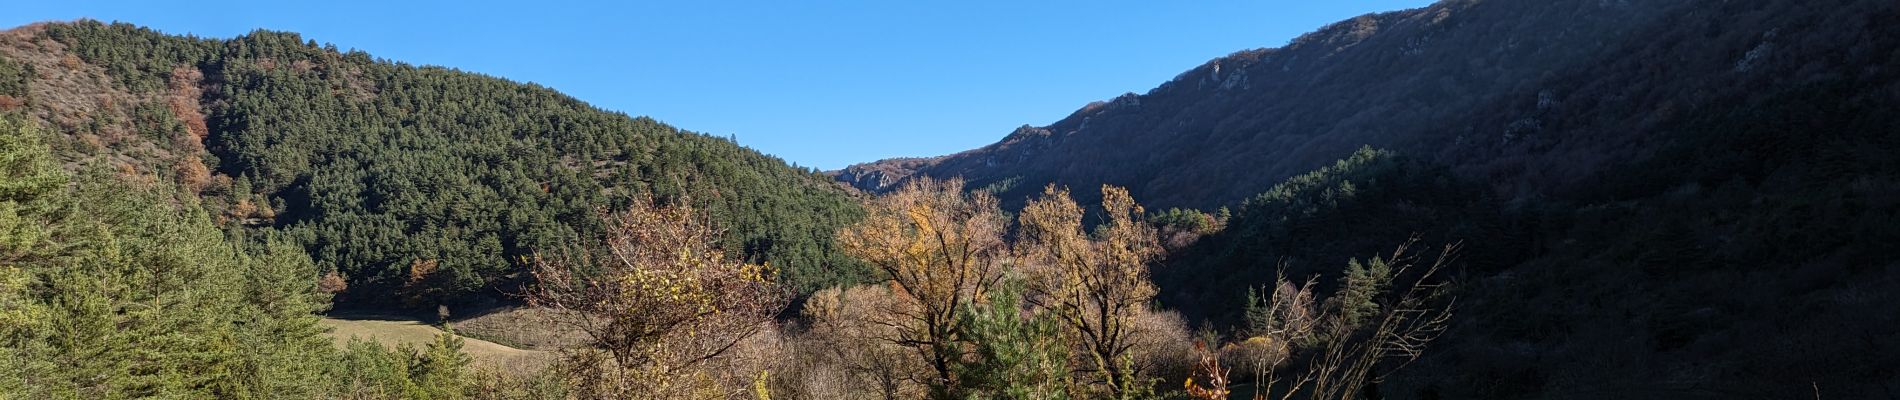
[(192, 174), (846, 349), (1161, 346), (332, 282), (243, 209), (1256, 358), (183, 101)]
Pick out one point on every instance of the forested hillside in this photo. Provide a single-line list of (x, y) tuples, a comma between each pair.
[(1535, 97), (417, 185), (1668, 199), (125, 289)]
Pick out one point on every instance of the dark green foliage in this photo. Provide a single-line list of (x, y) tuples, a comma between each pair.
[(13, 78), (28, 195), (441, 370), (437, 371), (1315, 222), (368, 370), (1001, 186), (30, 216), (145, 306), (123, 290), (1360, 290), (286, 352), (140, 58), (431, 185), (1754, 244), (116, 289), (1185, 219), (1016, 356)]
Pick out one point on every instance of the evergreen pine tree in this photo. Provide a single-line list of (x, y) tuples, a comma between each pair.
[(442, 369), (1017, 356)]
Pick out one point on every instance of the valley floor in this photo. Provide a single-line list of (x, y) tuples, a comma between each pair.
[(394, 332)]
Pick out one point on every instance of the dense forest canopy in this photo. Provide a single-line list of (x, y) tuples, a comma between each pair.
[(420, 184), (129, 290)]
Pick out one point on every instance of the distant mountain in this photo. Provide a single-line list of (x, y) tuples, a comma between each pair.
[(420, 185), (1657, 199), (1533, 96)]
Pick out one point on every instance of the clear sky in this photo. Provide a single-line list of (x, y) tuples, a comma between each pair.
[(820, 83)]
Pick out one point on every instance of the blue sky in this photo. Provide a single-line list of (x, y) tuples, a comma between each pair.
[(820, 83)]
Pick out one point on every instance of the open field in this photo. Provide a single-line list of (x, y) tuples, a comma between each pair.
[(393, 332), (518, 327)]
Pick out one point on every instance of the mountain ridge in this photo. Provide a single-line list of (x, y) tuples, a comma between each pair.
[(1673, 199), (1195, 121)]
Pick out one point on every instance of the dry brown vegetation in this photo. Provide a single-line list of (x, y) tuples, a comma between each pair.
[(1387, 311), (844, 349), (99, 117), (520, 327)]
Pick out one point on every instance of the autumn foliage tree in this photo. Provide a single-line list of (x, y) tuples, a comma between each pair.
[(1096, 284), (659, 302), (940, 249)]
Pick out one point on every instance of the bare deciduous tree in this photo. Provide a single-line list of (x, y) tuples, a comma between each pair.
[(850, 333), (1341, 357), (1213, 377)]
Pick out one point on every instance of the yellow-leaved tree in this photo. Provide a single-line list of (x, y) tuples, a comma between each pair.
[(1096, 284), (939, 249), (658, 304)]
